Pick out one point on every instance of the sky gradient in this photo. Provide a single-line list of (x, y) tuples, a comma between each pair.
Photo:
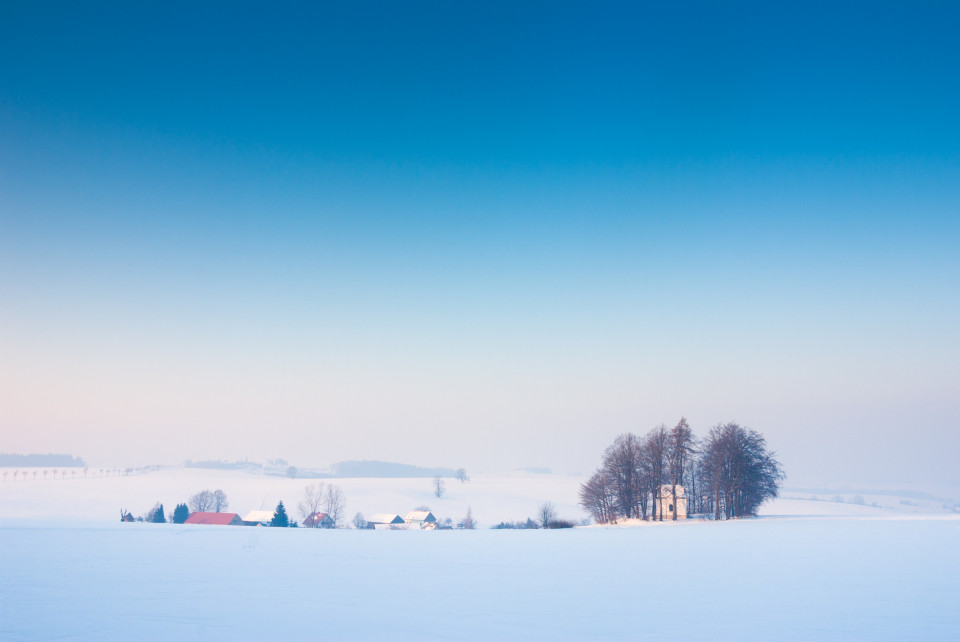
[(490, 236)]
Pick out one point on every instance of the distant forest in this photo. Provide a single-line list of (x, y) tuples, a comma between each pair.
[(223, 465), (10, 460), (382, 469), (387, 469)]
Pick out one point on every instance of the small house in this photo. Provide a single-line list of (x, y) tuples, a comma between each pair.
[(318, 520), (219, 519)]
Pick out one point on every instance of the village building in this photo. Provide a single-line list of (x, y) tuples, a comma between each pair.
[(669, 505), (422, 519), (219, 519), (385, 521), (258, 518), (318, 520)]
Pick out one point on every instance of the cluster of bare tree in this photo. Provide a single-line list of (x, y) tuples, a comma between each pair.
[(736, 471), (214, 501), (327, 498), (728, 474)]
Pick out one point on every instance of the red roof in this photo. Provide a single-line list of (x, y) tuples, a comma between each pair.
[(221, 519), (315, 519)]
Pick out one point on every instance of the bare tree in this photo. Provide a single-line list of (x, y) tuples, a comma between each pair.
[(679, 450), (739, 470), (655, 449), (598, 497), (312, 501), (201, 502), (622, 465), (359, 521), (462, 476), (439, 488), (546, 513), (334, 503), (694, 497), (468, 522), (220, 502)]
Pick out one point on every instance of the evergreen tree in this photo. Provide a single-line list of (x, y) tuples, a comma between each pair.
[(280, 517), (158, 517), (180, 514)]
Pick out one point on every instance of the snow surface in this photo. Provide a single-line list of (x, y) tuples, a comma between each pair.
[(799, 579), (69, 569)]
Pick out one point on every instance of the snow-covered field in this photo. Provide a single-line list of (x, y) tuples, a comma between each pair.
[(68, 569)]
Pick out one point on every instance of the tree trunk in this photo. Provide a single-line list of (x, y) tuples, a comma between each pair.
[(716, 501), (673, 490)]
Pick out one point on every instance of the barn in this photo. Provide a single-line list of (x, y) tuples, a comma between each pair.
[(258, 518), (219, 519), (420, 519), (385, 520)]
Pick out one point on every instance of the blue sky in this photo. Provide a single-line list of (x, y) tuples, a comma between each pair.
[(489, 236)]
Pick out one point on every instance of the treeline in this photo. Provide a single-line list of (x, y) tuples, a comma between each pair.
[(387, 469), (727, 474), (8, 460)]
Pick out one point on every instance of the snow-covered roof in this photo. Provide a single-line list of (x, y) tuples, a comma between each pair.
[(419, 516), (385, 518), (258, 516), (665, 490)]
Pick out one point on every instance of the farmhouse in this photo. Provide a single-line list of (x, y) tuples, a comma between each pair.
[(420, 519), (220, 519), (669, 505), (318, 520), (385, 520), (258, 518)]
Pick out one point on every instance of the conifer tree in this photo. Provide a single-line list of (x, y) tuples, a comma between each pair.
[(180, 514), (158, 517), (280, 516)]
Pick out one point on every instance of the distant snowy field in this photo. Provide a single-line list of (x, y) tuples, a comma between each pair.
[(810, 570), (491, 498)]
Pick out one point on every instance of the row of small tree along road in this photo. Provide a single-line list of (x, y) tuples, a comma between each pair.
[(727, 474)]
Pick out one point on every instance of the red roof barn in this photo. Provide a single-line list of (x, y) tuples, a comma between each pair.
[(220, 519)]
